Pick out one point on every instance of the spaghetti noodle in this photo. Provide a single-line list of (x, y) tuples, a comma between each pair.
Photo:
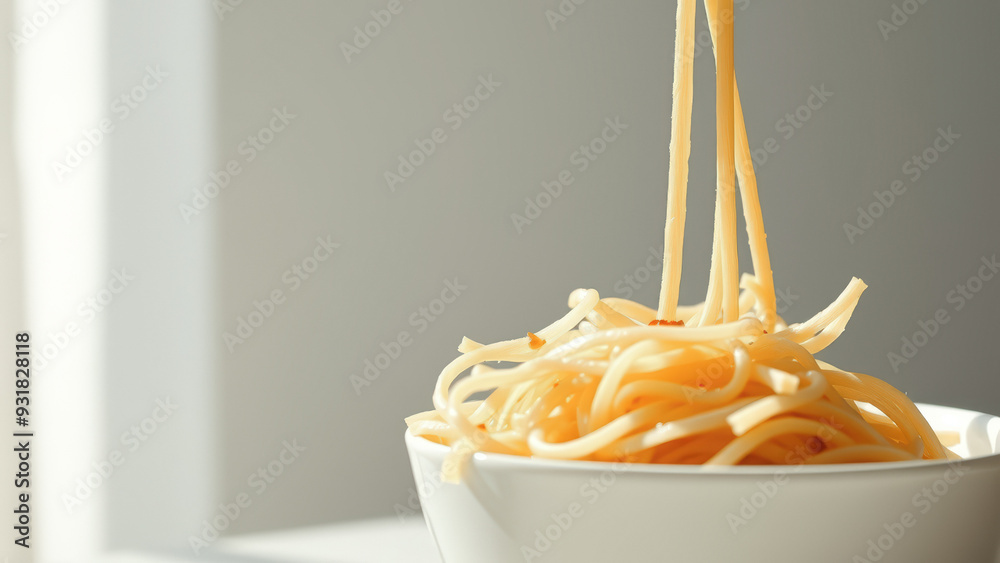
[(724, 382)]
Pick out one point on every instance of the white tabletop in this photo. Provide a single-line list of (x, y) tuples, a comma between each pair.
[(387, 540)]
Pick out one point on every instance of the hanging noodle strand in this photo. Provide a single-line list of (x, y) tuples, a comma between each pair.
[(724, 382)]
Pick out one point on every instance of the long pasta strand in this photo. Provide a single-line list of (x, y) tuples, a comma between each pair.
[(723, 382)]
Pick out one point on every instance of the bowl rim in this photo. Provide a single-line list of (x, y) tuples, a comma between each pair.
[(422, 446)]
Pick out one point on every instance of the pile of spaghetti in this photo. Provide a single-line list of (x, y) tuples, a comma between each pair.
[(725, 382)]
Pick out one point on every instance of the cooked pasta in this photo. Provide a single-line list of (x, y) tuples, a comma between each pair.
[(724, 382)]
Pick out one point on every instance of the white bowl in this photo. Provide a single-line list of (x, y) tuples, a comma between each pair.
[(509, 508)]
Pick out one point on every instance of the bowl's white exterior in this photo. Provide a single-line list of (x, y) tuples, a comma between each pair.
[(510, 509)]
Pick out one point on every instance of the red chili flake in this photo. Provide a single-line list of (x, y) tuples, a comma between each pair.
[(815, 445), (535, 342), (656, 322)]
